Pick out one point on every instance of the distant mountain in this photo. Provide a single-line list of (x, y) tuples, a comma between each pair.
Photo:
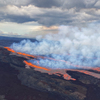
[(7, 41)]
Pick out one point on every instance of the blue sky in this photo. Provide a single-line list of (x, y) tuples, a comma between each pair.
[(29, 18)]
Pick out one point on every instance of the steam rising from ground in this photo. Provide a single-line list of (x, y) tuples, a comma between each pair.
[(76, 46)]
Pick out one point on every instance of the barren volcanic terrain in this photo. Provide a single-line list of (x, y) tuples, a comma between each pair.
[(17, 82)]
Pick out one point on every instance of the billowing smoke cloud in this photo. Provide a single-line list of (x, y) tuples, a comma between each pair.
[(72, 47)]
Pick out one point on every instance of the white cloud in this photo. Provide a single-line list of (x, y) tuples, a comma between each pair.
[(51, 16), (13, 2), (69, 12), (78, 46), (23, 10)]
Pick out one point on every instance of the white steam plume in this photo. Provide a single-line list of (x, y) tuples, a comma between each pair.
[(77, 46)]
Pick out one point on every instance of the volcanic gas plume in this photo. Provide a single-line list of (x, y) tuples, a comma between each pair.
[(73, 48)]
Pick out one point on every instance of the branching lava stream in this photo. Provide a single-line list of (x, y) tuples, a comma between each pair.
[(57, 72)]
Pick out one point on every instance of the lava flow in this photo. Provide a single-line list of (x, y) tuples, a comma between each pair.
[(35, 66), (57, 72)]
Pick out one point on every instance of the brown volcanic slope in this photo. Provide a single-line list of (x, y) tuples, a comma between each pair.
[(19, 83)]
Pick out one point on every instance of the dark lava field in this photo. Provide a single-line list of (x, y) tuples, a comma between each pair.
[(20, 83)]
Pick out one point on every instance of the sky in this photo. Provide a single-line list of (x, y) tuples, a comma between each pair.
[(30, 18)]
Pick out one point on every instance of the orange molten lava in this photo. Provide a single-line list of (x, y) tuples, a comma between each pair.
[(68, 63), (26, 55), (57, 72), (96, 69), (9, 49), (32, 65), (20, 53)]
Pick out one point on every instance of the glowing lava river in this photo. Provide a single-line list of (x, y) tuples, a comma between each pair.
[(57, 71)]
